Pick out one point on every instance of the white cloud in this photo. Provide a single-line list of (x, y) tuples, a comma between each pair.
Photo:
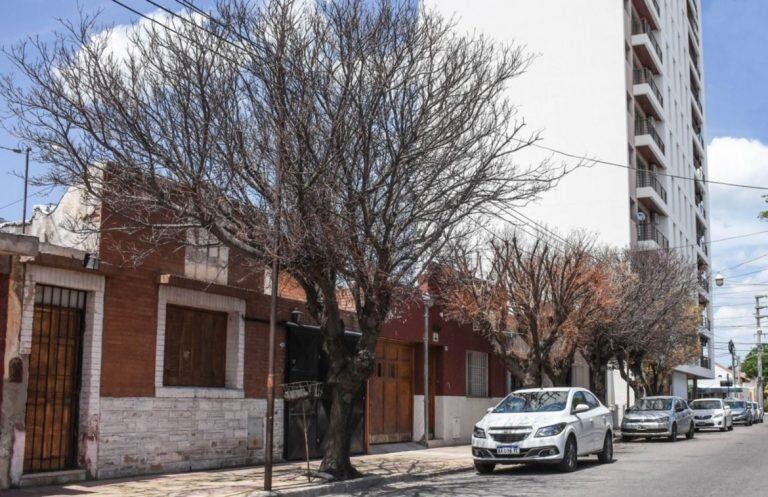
[(733, 212)]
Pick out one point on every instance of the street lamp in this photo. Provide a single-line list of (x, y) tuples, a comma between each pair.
[(26, 152), (719, 279)]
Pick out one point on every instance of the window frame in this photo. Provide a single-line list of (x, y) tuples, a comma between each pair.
[(235, 346), (469, 367)]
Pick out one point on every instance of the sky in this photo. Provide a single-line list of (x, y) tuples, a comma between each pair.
[(735, 71)]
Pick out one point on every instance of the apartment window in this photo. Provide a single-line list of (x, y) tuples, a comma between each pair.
[(205, 257), (195, 348), (477, 374)]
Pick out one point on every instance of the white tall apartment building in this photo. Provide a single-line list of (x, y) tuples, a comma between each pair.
[(619, 81)]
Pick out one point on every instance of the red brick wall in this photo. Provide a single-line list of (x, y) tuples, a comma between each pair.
[(129, 335)]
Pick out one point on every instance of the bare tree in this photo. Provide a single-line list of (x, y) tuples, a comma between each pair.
[(653, 327), (387, 129), (531, 300)]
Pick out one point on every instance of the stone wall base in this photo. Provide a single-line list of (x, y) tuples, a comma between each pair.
[(143, 435)]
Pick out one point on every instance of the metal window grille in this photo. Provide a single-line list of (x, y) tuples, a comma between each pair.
[(477, 374), (53, 391)]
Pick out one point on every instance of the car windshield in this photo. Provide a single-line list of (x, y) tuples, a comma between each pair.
[(736, 404), (705, 404), (544, 401), (653, 405)]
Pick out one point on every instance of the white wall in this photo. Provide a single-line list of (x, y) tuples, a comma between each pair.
[(455, 416), (575, 94)]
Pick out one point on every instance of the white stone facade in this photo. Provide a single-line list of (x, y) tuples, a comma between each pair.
[(140, 435)]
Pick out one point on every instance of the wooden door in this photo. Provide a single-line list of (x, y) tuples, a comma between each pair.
[(53, 391), (390, 401)]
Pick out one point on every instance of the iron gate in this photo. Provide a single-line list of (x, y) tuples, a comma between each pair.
[(53, 392)]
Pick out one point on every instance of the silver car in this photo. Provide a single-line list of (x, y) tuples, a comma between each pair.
[(658, 417), (742, 414), (712, 413), (757, 413)]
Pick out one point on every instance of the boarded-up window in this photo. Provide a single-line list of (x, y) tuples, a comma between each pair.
[(477, 374), (195, 347)]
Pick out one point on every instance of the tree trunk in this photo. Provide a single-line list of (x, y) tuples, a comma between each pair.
[(597, 381), (338, 439)]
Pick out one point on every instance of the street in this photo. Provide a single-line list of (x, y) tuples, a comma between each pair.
[(712, 464)]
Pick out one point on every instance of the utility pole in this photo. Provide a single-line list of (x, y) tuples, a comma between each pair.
[(26, 185), (427, 299), (758, 316)]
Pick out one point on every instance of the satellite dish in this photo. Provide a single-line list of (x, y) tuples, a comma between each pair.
[(641, 216)]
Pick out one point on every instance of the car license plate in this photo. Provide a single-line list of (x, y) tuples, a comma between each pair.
[(508, 450)]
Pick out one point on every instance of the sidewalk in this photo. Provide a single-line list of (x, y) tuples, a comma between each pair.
[(288, 479)]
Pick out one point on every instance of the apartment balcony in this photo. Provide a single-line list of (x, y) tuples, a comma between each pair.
[(695, 71), (647, 46), (650, 192), (702, 249), (648, 141), (703, 289), (698, 143), (650, 10), (647, 92), (696, 105), (701, 214), (704, 362), (650, 237)]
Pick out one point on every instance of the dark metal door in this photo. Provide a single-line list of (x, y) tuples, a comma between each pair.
[(53, 392)]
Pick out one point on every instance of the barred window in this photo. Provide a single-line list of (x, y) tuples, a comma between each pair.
[(477, 374)]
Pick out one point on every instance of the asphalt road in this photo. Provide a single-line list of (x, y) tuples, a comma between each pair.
[(712, 464)]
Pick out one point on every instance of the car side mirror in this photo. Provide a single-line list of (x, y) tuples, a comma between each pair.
[(489, 410), (580, 408)]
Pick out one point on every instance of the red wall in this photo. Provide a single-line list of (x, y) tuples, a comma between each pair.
[(454, 340)]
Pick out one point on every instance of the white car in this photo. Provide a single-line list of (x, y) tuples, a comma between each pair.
[(712, 413), (554, 425)]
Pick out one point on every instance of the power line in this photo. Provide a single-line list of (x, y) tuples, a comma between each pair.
[(743, 263), (172, 30), (624, 166)]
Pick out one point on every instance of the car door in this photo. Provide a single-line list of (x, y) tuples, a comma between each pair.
[(683, 415), (582, 425), (599, 416)]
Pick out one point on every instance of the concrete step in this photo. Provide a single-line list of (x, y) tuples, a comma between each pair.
[(52, 478)]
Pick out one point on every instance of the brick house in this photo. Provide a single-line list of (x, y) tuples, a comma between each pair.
[(112, 370)]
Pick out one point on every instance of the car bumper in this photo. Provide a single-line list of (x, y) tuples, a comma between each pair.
[(710, 423), (646, 430), (542, 449)]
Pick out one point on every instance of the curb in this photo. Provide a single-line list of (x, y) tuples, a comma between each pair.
[(356, 484)]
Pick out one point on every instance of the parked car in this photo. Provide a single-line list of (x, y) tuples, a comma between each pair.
[(742, 414), (653, 417), (543, 425), (757, 413), (712, 413)]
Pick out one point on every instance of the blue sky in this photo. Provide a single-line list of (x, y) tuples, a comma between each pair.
[(736, 73)]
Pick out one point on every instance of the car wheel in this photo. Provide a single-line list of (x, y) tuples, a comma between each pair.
[(673, 435), (690, 433), (484, 468), (606, 455), (569, 462)]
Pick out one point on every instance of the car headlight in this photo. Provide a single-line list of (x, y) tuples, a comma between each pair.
[(478, 432), (550, 431), (662, 419)]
